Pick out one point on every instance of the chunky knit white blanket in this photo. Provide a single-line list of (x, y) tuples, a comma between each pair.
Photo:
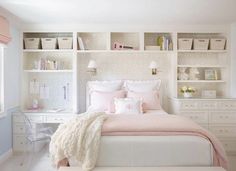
[(79, 138)]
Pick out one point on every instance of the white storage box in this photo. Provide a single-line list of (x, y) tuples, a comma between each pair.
[(201, 44), (49, 43), (185, 44), (32, 43), (152, 48), (65, 42), (217, 44)]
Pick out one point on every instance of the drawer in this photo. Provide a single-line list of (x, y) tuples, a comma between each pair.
[(229, 145), (18, 118), (58, 119), (223, 131), (228, 105), (198, 117), (19, 142), (209, 105), (189, 105), (18, 129), (36, 119), (223, 117)]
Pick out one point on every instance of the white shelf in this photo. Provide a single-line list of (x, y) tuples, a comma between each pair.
[(124, 51), (47, 71), (47, 50), (202, 51), (202, 66), (200, 81)]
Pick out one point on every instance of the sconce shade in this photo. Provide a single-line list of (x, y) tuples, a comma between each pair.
[(92, 64), (153, 65)]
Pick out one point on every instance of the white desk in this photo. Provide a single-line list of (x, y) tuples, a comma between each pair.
[(19, 141)]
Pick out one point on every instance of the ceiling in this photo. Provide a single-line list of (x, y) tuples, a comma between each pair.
[(123, 11)]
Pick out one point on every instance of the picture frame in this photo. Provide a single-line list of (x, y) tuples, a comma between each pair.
[(210, 74)]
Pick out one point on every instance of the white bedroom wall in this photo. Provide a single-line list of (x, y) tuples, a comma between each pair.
[(12, 84), (233, 59)]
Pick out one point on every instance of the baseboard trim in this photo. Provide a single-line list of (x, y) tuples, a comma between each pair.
[(6, 156)]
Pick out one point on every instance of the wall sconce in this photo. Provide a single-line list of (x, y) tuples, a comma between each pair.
[(153, 66), (92, 67)]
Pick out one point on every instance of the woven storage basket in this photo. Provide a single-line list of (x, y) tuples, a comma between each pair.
[(201, 44), (65, 42), (49, 43), (217, 44), (32, 43), (185, 44)]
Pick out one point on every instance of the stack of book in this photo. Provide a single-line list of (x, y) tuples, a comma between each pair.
[(165, 43)]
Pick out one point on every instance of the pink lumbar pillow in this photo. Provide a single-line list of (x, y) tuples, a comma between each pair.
[(151, 100), (104, 101)]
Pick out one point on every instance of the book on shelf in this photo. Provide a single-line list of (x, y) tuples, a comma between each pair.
[(81, 43), (165, 43)]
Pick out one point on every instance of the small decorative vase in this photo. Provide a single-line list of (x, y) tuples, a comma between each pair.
[(188, 95)]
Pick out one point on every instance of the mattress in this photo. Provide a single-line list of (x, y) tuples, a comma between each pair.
[(154, 151), (144, 151)]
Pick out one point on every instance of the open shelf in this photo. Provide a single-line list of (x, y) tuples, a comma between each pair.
[(202, 66), (47, 71), (47, 50), (200, 81), (158, 41), (124, 39), (202, 51), (89, 41)]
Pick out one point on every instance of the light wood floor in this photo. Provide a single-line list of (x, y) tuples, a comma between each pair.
[(41, 162)]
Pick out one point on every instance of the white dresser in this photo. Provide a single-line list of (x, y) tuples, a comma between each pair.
[(19, 141), (217, 115)]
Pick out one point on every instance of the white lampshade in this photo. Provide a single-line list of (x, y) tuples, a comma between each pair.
[(153, 65), (92, 64)]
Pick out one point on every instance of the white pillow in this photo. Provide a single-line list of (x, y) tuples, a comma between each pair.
[(128, 106), (105, 86), (142, 86)]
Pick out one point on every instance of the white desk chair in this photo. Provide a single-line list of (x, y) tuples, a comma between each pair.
[(34, 134)]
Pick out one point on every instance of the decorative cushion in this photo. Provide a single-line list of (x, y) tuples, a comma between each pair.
[(142, 86), (105, 86), (128, 106)]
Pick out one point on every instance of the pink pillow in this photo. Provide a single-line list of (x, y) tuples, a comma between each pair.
[(104, 101), (150, 99)]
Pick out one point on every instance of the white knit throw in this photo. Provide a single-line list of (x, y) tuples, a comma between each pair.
[(79, 138)]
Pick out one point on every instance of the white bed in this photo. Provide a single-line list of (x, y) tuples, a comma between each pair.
[(153, 150)]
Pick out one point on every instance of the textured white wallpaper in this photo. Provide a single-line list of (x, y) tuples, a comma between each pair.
[(119, 65)]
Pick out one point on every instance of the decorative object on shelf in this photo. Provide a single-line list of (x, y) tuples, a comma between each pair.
[(92, 67), (154, 67), (35, 104), (211, 74), (193, 73), (120, 46), (208, 93), (185, 44), (187, 91), (81, 44), (182, 75)]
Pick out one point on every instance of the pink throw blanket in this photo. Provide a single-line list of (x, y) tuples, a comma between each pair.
[(159, 125)]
